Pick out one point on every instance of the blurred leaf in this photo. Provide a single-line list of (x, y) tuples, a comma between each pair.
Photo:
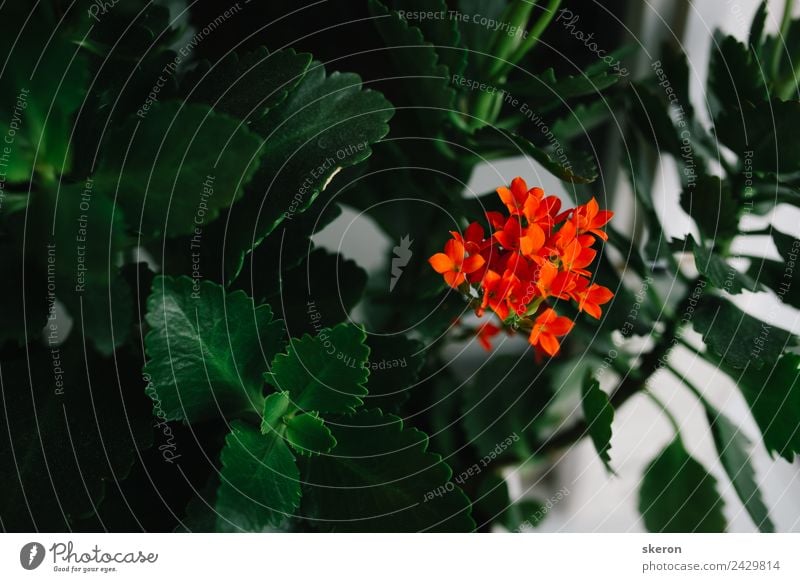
[(677, 495), (739, 339), (394, 364), (599, 416), (773, 393), (708, 200), (722, 275), (733, 449)]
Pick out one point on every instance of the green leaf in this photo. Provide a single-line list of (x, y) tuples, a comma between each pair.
[(773, 394), (425, 79), (545, 88), (248, 85), (43, 84), (177, 168), (708, 200), (582, 119), (739, 339), (651, 119), (207, 349), (506, 400), (324, 373), (308, 434), (72, 425), (381, 477), (764, 132), (260, 482), (757, 27), (599, 416), (326, 124), (677, 495), (734, 77), (733, 449), (721, 274), (494, 142), (394, 365)]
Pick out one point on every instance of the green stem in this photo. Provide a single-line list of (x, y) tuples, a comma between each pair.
[(516, 15), (780, 39), (665, 410), (536, 31), (694, 389)]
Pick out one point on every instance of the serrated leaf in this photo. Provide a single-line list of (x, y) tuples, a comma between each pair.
[(545, 87), (709, 201), (327, 123), (308, 434), (326, 372), (43, 84), (677, 495), (733, 449), (773, 394), (737, 338), (207, 349), (260, 482), (757, 27), (248, 85), (764, 132), (599, 416), (377, 478), (722, 275), (71, 423), (177, 168), (734, 77), (492, 141)]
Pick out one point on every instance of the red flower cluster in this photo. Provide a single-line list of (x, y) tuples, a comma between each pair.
[(534, 253)]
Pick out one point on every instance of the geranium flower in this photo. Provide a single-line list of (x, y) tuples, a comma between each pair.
[(589, 218), (592, 297), (454, 264)]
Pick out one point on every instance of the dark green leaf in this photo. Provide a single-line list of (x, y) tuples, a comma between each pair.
[(678, 496), (599, 416), (708, 200), (757, 26), (260, 483), (735, 78), (381, 477), (207, 349), (43, 84), (733, 448), (736, 337), (326, 124), (308, 434), (773, 393), (177, 168), (394, 364), (545, 88), (722, 275), (492, 141), (326, 372), (247, 86)]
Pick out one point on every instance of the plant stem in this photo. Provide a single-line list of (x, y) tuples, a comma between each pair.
[(780, 39), (694, 389), (658, 402), (536, 31)]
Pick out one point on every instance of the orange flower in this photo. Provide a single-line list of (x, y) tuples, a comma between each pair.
[(454, 264), (485, 333), (591, 298), (554, 283), (549, 326), (515, 197), (589, 218)]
